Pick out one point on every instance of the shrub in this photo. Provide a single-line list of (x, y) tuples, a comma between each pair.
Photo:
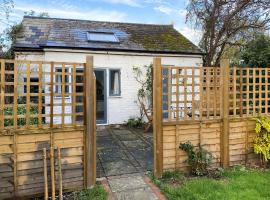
[(135, 122), (199, 159), (262, 139)]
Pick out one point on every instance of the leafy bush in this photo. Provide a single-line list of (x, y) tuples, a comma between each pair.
[(21, 111), (262, 139), (257, 52), (199, 159), (135, 122)]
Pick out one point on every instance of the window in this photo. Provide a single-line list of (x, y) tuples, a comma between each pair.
[(115, 83), (79, 79), (58, 81), (33, 87), (102, 37), (79, 98)]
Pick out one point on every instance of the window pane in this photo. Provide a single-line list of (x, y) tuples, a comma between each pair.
[(102, 37), (79, 79), (58, 81), (115, 82)]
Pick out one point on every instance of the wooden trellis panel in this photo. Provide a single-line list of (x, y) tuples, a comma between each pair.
[(41, 94), (210, 106), (44, 105), (191, 93), (249, 91)]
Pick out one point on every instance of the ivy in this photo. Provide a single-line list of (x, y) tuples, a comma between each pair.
[(199, 159), (262, 139)]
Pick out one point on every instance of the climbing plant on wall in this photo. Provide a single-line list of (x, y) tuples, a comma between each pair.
[(144, 76)]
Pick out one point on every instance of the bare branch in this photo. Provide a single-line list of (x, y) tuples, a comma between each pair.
[(224, 21)]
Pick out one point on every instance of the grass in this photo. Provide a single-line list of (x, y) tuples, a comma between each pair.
[(96, 193), (234, 184)]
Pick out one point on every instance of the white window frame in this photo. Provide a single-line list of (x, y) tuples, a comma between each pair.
[(59, 87), (119, 81), (114, 37)]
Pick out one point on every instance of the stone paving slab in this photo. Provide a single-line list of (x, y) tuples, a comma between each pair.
[(148, 165), (123, 151), (123, 155), (126, 182), (123, 131), (110, 155), (137, 144), (106, 142), (145, 153), (103, 132), (131, 187), (127, 137), (138, 194), (118, 168)]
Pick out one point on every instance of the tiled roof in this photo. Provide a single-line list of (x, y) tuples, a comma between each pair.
[(41, 32)]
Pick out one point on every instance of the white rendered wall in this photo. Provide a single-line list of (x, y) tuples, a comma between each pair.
[(120, 109)]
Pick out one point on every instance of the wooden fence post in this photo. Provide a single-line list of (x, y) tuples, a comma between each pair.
[(157, 118), (224, 138), (90, 123)]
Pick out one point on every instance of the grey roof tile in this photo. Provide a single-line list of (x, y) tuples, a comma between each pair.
[(53, 32)]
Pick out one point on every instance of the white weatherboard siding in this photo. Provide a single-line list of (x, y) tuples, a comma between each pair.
[(119, 109)]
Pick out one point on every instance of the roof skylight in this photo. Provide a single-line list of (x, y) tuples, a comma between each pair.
[(102, 37)]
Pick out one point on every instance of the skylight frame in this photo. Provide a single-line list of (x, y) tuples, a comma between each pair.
[(101, 37)]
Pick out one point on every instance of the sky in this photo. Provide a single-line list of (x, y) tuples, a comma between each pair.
[(137, 11)]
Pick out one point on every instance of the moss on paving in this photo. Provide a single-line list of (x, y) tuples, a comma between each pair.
[(234, 185)]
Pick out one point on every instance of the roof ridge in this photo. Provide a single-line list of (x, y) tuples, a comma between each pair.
[(129, 23)]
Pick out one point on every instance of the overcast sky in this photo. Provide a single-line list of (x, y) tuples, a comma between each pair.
[(139, 11)]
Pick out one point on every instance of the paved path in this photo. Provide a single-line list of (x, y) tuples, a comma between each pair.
[(123, 151), (123, 157), (131, 187)]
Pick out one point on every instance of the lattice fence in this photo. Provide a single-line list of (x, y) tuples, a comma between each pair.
[(41, 94), (44, 106), (191, 93), (209, 106), (195, 93), (249, 94)]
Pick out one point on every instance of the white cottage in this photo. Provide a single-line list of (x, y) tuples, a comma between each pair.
[(116, 48)]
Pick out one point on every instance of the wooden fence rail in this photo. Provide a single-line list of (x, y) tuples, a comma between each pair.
[(46, 105), (210, 106)]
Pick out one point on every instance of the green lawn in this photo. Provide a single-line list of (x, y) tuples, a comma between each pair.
[(240, 184), (96, 193)]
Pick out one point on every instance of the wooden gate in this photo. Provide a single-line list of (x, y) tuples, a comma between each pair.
[(44, 105), (210, 106)]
